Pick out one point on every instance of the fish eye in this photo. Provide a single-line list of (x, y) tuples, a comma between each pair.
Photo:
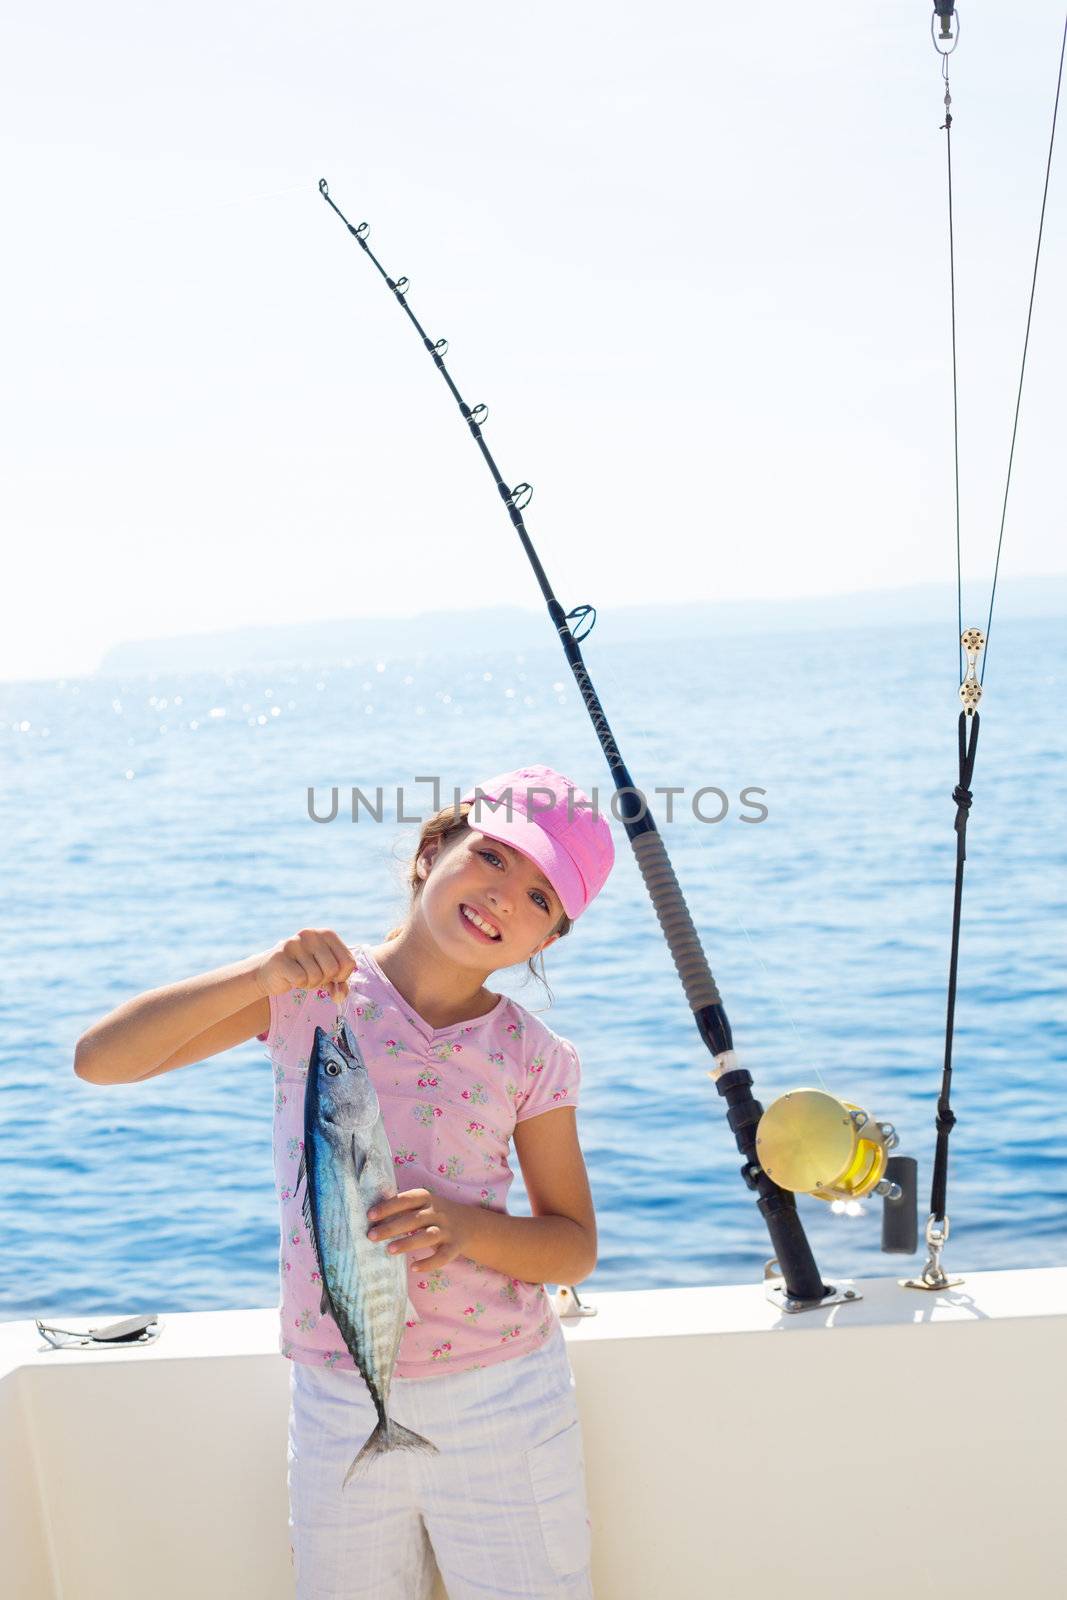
[(333, 1068)]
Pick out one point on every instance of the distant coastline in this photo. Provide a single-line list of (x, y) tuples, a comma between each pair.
[(496, 628)]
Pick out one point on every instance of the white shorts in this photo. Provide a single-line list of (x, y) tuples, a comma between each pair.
[(502, 1507)]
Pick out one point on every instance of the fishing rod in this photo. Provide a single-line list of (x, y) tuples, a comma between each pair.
[(851, 1144)]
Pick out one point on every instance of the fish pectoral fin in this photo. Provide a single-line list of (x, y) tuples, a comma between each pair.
[(359, 1159), (324, 1304)]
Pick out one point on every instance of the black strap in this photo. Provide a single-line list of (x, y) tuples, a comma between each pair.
[(946, 1118)]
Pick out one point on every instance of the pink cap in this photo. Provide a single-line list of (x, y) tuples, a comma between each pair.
[(548, 818)]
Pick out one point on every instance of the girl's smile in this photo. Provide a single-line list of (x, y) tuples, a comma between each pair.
[(479, 933)]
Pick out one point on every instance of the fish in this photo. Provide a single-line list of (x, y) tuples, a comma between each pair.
[(346, 1168)]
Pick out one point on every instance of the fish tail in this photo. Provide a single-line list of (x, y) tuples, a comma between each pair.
[(388, 1435), (407, 1439)]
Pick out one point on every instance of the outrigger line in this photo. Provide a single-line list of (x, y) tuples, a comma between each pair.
[(973, 641), (793, 1254)]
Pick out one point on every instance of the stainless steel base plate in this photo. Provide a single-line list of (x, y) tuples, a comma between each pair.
[(774, 1288)]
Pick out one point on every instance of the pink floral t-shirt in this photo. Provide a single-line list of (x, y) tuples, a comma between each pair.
[(450, 1098)]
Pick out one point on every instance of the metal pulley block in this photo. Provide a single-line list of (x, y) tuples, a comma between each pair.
[(973, 641)]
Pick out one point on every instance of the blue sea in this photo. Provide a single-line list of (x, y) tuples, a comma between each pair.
[(157, 826)]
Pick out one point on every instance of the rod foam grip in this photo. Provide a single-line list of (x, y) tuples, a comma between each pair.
[(675, 921)]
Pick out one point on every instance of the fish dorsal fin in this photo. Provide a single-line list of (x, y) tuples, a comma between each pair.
[(302, 1178)]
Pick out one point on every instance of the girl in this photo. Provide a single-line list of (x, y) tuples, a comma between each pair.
[(460, 1071)]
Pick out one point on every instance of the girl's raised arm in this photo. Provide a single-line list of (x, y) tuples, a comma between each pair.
[(198, 1017)]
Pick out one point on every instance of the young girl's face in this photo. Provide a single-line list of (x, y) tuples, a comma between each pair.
[(502, 886)]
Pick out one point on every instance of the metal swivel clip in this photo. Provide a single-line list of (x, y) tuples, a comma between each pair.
[(933, 1274)]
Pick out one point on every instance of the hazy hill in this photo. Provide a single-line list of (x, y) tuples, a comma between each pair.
[(497, 628)]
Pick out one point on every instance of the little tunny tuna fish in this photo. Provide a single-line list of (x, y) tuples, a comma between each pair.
[(347, 1166)]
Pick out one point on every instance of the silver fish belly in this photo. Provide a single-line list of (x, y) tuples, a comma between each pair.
[(347, 1167)]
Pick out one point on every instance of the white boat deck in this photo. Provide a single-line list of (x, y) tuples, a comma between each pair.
[(905, 1444)]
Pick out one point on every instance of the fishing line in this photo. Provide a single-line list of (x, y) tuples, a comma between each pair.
[(944, 9), (776, 987), (947, 125), (1026, 344), (733, 1082), (807, 1057)]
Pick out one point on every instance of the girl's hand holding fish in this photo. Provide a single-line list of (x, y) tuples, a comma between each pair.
[(315, 959), (436, 1221)]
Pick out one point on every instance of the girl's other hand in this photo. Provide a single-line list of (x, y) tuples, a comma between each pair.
[(315, 958), (417, 1218)]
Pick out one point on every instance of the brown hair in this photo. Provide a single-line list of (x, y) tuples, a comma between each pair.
[(445, 825)]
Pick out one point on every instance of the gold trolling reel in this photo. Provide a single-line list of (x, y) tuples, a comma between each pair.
[(810, 1142)]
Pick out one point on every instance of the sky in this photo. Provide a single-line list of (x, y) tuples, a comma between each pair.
[(694, 260)]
